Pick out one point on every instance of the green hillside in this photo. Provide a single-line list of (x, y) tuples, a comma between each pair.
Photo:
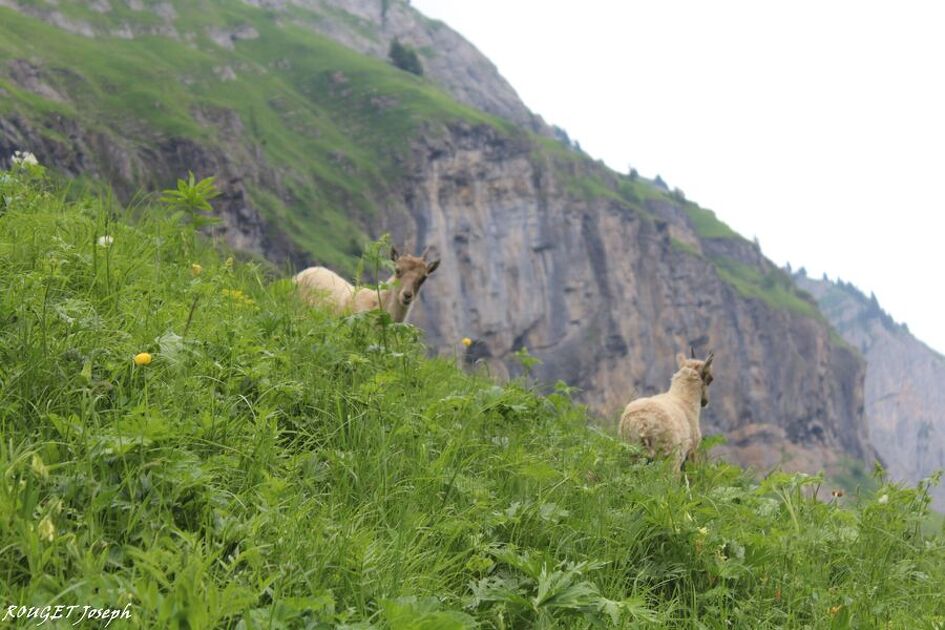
[(333, 127), (267, 465), (333, 124)]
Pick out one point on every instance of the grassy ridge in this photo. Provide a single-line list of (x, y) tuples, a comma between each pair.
[(706, 224), (334, 124), (276, 467), (775, 288)]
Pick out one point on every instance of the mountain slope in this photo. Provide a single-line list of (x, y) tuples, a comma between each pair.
[(369, 26), (303, 133), (606, 287), (905, 400), (186, 441), (318, 148)]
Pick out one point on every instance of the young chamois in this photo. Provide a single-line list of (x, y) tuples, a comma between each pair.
[(320, 286), (668, 424)]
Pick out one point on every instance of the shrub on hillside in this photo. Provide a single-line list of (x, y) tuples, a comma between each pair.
[(405, 58)]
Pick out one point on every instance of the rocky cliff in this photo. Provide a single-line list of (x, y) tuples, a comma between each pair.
[(605, 289), (904, 397), (603, 277), (150, 161)]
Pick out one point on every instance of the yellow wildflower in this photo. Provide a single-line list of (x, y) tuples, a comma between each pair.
[(834, 610), (196, 269), (46, 529), (39, 467), (238, 296), (467, 341), (143, 358)]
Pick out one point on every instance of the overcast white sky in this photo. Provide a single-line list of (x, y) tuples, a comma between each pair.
[(817, 127)]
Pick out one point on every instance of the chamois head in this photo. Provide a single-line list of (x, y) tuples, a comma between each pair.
[(411, 272), (702, 367)]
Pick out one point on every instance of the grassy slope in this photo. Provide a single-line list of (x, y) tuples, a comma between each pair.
[(333, 122), (279, 466), (337, 143)]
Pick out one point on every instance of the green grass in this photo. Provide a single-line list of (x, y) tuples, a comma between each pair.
[(854, 478), (677, 244), (581, 179), (334, 126), (934, 524), (775, 288), (591, 187), (277, 467), (706, 224)]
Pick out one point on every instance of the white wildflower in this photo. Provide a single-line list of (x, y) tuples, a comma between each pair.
[(105, 241), (883, 500), (24, 157)]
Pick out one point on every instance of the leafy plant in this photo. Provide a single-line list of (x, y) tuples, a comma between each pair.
[(405, 57), (191, 199), (533, 593), (527, 361)]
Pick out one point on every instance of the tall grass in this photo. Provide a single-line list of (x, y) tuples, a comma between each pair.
[(276, 467)]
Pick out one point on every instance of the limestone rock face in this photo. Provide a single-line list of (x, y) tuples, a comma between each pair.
[(542, 248), (905, 396), (602, 295)]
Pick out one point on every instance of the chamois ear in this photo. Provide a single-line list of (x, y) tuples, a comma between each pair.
[(680, 359), (432, 257), (708, 362), (394, 254)]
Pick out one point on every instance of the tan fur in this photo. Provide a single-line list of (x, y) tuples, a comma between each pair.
[(668, 424), (320, 286)]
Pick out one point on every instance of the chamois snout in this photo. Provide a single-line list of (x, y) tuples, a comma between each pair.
[(706, 374)]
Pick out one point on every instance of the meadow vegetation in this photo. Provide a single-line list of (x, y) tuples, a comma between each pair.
[(706, 224), (179, 432), (775, 288)]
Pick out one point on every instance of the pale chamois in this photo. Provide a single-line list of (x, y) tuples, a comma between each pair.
[(668, 424), (320, 286)]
